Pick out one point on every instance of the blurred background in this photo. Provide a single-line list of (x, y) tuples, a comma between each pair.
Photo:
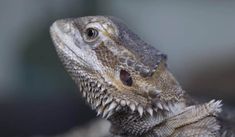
[(38, 98)]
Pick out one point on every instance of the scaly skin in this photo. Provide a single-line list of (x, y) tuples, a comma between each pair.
[(127, 82)]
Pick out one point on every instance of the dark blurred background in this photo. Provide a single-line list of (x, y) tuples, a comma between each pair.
[(38, 98)]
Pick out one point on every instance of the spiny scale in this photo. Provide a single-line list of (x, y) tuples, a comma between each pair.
[(140, 110), (150, 111)]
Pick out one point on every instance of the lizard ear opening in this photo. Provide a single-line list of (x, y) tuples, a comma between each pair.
[(126, 78)]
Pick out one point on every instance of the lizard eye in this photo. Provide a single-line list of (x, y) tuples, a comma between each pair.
[(91, 34), (126, 78)]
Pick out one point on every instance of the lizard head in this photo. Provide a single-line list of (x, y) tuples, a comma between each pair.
[(113, 67)]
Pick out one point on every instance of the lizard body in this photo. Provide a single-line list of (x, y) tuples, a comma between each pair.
[(127, 81)]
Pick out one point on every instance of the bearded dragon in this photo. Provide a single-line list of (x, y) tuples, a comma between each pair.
[(127, 81)]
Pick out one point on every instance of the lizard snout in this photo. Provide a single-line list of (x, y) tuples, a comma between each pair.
[(63, 25)]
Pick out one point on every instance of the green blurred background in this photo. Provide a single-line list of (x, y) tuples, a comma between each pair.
[(38, 98)]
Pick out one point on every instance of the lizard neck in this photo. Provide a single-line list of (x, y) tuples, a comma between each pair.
[(127, 123)]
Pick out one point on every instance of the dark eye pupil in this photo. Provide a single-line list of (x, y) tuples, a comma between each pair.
[(126, 78), (91, 33)]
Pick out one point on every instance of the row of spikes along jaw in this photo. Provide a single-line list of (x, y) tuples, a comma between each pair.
[(100, 98)]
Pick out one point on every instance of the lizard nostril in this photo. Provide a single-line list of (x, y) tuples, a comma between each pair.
[(126, 78), (63, 25)]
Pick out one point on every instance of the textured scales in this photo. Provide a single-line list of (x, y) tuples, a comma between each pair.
[(127, 82)]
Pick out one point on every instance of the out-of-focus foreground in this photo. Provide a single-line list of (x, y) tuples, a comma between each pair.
[(38, 98)]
